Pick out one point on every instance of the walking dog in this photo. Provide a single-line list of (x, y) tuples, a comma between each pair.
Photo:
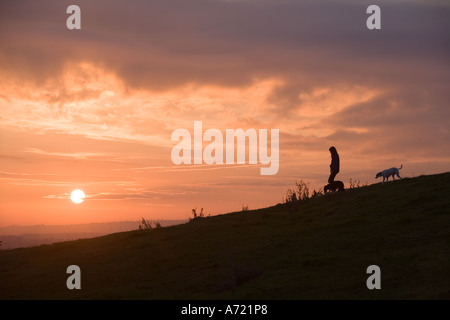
[(388, 173), (334, 186)]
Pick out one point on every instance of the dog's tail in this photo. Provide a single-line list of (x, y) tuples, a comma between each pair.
[(400, 167)]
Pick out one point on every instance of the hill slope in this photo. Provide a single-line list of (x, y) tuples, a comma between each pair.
[(322, 250)]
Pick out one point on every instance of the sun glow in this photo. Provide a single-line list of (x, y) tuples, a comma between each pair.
[(77, 196)]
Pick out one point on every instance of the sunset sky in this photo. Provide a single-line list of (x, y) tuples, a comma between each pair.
[(94, 109)]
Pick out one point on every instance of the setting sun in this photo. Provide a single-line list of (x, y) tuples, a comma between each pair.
[(77, 196)]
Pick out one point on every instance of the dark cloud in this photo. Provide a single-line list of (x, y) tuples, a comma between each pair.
[(163, 44), (407, 122)]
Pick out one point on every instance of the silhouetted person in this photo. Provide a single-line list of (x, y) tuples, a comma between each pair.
[(334, 166)]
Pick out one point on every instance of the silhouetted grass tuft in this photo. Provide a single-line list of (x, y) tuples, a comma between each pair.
[(146, 224), (300, 194), (197, 216)]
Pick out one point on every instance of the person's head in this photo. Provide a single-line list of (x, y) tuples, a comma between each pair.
[(332, 150)]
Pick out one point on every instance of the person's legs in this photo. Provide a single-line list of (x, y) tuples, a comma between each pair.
[(332, 176)]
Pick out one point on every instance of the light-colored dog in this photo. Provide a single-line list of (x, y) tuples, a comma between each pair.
[(389, 172)]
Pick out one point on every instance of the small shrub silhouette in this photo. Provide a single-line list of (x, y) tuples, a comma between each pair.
[(301, 193), (317, 193), (197, 216), (157, 224), (145, 224), (356, 184)]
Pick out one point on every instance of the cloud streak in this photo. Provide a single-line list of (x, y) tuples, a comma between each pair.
[(109, 196)]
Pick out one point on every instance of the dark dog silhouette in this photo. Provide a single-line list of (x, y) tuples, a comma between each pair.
[(334, 186)]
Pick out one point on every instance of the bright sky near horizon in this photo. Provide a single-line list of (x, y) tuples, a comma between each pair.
[(94, 109)]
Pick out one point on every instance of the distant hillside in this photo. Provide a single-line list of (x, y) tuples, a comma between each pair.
[(319, 251), (34, 235)]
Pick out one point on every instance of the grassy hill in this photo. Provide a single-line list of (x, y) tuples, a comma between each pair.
[(320, 251)]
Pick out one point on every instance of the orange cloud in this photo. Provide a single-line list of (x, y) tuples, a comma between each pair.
[(95, 109)]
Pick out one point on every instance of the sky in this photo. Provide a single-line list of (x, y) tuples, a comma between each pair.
[(94, 109)]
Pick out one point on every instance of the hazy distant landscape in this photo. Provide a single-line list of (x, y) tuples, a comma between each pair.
[(34, 235)]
